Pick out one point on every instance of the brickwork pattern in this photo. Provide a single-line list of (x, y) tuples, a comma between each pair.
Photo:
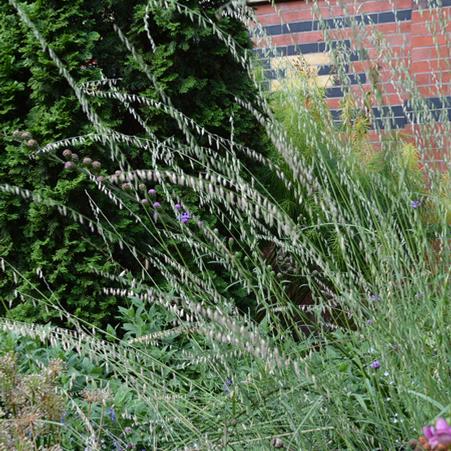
[(418, 39)]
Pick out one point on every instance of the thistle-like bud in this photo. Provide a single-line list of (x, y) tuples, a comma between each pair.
[(87, 161), (96, 165), (69, 165), (126, 186), (75, 157), (67, 154), (142, 186), (145, 201), (32, 143)]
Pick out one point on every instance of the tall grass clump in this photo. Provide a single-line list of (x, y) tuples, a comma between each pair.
[(295, 298)]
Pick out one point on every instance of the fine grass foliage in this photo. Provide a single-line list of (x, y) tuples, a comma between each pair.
[(294, 297)]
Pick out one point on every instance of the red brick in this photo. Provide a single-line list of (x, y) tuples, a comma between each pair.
[(333, 103), (297, 38), (434, 91), (429, 41), (428, 66)]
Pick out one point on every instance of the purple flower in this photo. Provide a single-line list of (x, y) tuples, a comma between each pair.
[(111, 414), (185, 217), (438, 435), (415, 203), (369, 322), (375, 298), (156, 205), (178, 206), (69, 165), (152, 192), (128, 430), (375, 364), (144, 201)]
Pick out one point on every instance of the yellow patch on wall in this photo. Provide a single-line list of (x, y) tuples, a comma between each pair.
[(302, 66)]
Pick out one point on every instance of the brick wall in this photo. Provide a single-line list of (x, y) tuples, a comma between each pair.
[(418, 38)]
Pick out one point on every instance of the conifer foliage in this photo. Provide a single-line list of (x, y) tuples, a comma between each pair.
[(49, 250)]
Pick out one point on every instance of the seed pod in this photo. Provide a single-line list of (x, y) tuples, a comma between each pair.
[(75, 157), (142, 186), (31, 143), (67, 154), (96, 165), (87, 161)]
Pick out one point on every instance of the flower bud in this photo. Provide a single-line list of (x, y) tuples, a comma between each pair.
[(96, 165), (69, 165), (75, 157), (31, 143), (67, 154), (142, 186), (87, 161)]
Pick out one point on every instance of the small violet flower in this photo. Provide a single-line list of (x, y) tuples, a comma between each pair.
[(375, 364), (375, 298), (415, 203), (152, 192), (440, 435), (185, 217), (228, 382), (112, 414), (369, 322), (156, 205), (177, 206)]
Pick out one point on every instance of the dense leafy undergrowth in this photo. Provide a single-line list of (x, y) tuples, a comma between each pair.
[(245, 275)]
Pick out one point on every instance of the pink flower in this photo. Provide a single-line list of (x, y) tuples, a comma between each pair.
[(438, 435)]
